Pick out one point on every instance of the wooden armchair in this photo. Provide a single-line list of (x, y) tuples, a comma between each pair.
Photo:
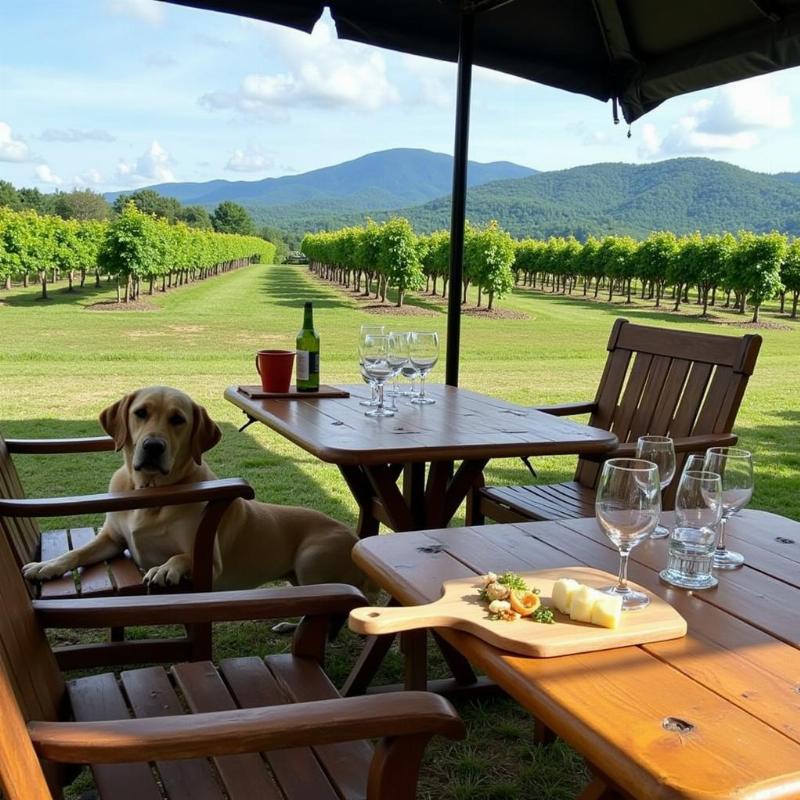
[(656, 381), (119, 575), (196, 732)]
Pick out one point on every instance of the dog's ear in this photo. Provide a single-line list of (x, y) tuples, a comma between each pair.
[(114, 420), (205, 432)]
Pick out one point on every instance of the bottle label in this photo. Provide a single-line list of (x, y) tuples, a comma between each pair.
[(303, 364)]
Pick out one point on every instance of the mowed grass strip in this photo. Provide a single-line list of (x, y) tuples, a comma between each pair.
[(62, 361)]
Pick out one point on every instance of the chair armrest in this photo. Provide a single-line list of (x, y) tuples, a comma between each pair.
[(569, 409), (255, 730), (89, 444), (123, 611), (179, 494), (683, 444)]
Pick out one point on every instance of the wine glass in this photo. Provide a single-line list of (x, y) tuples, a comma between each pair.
[(401, 353), (375, 356), (369, 330), (661, 451), (698, 510), (424, 353), (627, 508), (735, 466)]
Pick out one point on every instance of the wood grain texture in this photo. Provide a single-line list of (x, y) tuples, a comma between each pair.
[(461, 424), (711, 715), (257, 393), (460, 608)]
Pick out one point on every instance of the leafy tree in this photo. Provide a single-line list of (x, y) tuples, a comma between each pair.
[(149, 202), (488, 257), (716, 252), (757, 262), (9, 197), (398, 258), (790, 273), (272, 234), (195, 217), (655, 258), (229, 217), (34, 200), (81, 204)]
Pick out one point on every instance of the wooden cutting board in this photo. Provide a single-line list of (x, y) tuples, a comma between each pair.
[(257, 393), (460, 607)]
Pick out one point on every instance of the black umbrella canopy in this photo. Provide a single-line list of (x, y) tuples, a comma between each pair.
[(640, 52), (637, 53)]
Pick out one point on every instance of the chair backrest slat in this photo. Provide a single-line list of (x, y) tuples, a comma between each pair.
[(23, 534), (26, 658), (668, 382)]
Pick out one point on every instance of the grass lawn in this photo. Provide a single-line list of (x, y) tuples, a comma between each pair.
[(61, 363)]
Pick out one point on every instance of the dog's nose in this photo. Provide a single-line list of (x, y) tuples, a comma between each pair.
[(154, 447)]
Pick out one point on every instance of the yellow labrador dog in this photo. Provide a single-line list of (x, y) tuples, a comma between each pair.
[(163, 435)]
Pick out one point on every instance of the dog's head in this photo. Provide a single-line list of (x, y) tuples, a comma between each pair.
[(162, 431)]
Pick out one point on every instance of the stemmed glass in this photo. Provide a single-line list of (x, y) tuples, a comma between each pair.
[(376, 352), (424, 353), (661, 451), (627, 508), (369, 330), (698, 510), (401, 349), (735, 466)]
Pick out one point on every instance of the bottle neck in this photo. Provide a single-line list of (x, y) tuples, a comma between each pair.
[(308, 317)]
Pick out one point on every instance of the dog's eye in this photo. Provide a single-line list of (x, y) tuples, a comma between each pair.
[(141, 413), (176, 419)]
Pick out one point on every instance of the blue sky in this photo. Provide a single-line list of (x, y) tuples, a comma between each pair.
[(116, 94)]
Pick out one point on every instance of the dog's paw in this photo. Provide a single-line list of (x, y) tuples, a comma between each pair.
[(42, 570), (168, 574)]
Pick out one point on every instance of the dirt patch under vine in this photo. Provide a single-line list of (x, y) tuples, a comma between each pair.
[(113, 305), (402, 311), (495, 313)]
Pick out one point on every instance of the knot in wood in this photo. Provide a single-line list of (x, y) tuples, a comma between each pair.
[(676, 725), (432, 548), (784, 540)]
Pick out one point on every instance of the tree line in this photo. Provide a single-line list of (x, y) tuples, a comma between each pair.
[(134, 248), (748, 268)]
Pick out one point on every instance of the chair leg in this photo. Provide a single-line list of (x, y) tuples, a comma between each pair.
[(474, 515), (199, 636), (118, 634)]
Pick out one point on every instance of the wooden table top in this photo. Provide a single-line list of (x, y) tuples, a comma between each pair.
[(715, 714), (461, 424)]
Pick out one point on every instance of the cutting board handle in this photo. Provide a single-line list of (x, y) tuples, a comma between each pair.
[(376, 620)]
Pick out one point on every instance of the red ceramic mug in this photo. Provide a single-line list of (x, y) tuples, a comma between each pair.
[(275, 369)]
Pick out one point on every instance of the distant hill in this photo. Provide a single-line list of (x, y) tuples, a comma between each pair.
[(386, 180)]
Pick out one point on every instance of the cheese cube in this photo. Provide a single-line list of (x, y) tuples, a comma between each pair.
[(563, 590), (607, 610), (583, 600)]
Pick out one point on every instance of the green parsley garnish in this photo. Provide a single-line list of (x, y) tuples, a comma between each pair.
[(516, 583)]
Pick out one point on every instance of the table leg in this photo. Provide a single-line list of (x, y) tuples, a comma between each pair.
[(414, 493), (361, 489), (414, 645)]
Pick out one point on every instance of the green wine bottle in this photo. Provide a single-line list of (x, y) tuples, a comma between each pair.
[(307, 371)]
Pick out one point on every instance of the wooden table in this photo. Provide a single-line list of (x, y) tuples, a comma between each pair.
[(713, 715), (372, 453)]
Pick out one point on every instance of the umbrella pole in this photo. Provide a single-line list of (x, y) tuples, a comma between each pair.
[(458, 214)]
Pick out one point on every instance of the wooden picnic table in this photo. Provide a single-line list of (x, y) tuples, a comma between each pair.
[(715, 714), (462, 426)]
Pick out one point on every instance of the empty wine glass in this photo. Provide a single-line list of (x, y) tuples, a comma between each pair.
[(369, 330), (375, 356), (661, 451), (401, 356), (424, 353), (735, 467), (627, 508)]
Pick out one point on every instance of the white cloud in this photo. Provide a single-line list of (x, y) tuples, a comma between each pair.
[(148, 11), (76, 135), (250, 159), (726, 122), (153, 166), (46, 175), (91, 177), (322, 72), (11, 149)]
